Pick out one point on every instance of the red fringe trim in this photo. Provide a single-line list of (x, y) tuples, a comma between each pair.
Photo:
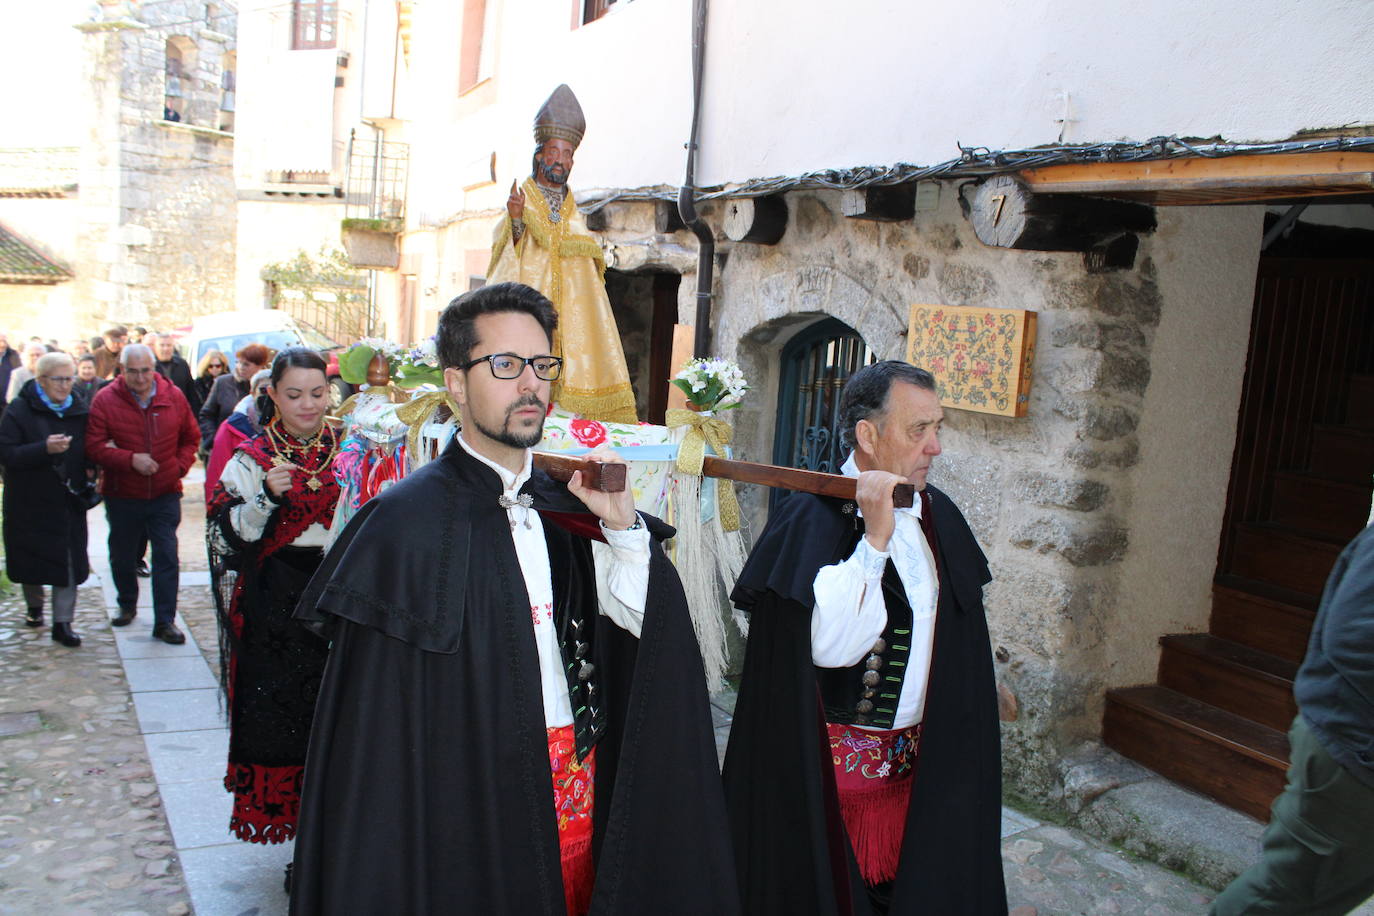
[(876, 821), (579, 874)]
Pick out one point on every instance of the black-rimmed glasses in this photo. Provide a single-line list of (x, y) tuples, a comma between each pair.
[(509, 366)]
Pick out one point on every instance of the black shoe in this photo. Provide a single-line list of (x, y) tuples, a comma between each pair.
[(34, 617), (62, 632), (142, 570), (168, 633), (286, 885), (126, 617)]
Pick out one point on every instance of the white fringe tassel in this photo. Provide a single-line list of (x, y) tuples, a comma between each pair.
[(709, 560)]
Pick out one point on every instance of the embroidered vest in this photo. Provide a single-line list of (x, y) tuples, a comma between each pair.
[(576, 617), (867, 693)]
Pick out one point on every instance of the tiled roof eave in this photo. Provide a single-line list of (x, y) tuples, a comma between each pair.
[(34, 279)]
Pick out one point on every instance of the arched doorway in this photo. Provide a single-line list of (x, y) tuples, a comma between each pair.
[(816, 363)]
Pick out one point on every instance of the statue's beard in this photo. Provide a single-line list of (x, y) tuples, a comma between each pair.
[(553, 174)]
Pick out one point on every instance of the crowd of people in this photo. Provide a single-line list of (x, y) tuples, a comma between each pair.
[(513, 717), (118, 418)]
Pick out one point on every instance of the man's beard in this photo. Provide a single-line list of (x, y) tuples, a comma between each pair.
[(553, 174), (506, 436)]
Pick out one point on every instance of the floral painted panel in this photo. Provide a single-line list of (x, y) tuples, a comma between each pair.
[(982, 358)]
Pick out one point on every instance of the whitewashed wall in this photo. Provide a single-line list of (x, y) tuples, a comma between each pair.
[(798, 85)]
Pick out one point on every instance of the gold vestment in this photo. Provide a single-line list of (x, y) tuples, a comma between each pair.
[(562, 261)]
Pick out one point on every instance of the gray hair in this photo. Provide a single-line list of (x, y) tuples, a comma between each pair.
[(34, 346), (50, 361), (137, 349), (865, 394)]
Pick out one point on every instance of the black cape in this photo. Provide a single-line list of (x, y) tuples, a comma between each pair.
[(792, 853), (427, 785)]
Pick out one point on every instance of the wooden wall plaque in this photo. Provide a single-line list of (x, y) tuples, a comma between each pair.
[(981, 358)]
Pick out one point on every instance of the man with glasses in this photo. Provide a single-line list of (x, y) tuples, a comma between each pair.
[(513, 676), (144, 435)]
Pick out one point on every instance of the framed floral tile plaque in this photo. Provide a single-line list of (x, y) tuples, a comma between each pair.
[(981, 358)]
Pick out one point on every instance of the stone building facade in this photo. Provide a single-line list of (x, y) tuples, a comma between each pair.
[(1101, 510), (156, 241)]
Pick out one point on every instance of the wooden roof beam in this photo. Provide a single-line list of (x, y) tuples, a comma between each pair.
[(1201, 180)]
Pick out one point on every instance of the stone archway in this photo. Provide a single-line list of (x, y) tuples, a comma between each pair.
[(758, 322), (814, 290)]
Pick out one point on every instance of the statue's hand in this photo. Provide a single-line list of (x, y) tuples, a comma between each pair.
[(515, 204)]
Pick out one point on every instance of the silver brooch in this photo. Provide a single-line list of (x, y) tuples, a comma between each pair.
[(524, 500)]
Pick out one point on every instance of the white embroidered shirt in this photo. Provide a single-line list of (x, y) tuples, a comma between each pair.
[(850, 613)]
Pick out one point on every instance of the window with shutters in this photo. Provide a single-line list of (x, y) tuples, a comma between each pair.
[(314, 24)]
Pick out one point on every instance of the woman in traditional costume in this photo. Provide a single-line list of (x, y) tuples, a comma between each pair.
[(269, 520)]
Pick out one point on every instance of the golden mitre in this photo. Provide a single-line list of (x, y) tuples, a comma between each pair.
[(561, 117)]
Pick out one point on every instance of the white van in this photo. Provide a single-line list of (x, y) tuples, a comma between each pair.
[(230, 332)]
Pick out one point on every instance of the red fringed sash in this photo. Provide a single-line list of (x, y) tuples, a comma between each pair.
[(873, 773), (572, 803)]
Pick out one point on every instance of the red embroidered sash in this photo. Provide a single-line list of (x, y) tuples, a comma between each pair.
[(572, 804), (873, 773)]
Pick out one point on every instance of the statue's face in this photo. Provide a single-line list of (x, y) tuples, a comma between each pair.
[(555, 161)]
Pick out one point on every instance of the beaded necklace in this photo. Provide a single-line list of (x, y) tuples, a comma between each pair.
[(284, 450)]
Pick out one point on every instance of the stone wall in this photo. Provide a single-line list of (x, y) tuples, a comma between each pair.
[(1093, 556), (157, 237)]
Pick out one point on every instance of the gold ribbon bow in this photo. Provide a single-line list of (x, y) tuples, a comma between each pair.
[(691, 455), (415, 412)]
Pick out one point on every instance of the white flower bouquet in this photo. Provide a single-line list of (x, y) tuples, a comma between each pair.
[(712, 384)]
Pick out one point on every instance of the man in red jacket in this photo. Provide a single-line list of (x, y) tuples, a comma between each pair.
[(144, 435)]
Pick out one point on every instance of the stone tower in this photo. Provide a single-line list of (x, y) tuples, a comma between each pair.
[(155, 243)]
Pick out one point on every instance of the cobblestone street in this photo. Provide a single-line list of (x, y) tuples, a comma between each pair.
[(111, 755)]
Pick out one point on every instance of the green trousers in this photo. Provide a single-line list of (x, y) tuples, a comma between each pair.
[(1318, 855)]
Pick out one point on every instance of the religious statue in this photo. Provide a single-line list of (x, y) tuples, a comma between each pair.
[(543, 243)]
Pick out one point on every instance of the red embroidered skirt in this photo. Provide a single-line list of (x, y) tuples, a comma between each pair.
[(873, 772), (572, 803)]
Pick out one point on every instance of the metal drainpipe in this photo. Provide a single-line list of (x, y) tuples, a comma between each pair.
[(686, 203)]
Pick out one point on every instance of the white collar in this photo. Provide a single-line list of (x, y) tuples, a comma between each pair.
[(851, 469), (509, 480)]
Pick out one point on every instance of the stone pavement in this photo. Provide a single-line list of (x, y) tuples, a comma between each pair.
[(111, 757)]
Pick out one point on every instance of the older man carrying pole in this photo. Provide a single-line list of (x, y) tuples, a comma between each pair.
[(142, 432)]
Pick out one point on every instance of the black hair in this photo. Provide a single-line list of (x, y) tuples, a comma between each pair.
[(865, 394), (288, 358), (86, 358), (457, 333)]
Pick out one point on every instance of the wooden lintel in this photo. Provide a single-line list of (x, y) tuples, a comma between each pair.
[(890, 205), (1264, 176)]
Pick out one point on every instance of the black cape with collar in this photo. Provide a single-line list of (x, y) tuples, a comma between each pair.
[(792, 853), (427, 786)]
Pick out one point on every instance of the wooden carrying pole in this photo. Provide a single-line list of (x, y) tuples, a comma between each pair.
[(610, 478)]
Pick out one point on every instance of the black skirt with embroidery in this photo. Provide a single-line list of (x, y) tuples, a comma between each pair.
[(275, 666)]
